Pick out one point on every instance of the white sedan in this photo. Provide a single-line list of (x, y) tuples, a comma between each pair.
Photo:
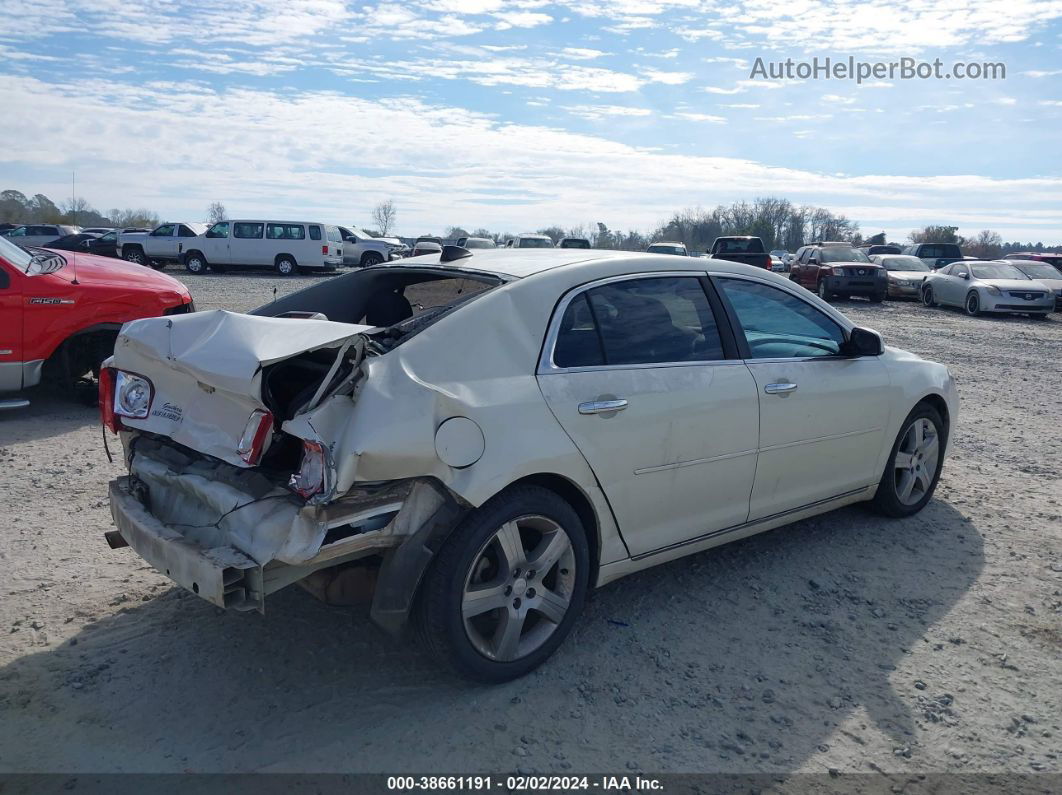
[(987, 286), (490, 436)]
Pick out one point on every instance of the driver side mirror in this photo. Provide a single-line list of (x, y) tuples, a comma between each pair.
[(964, 275), (864, 342)]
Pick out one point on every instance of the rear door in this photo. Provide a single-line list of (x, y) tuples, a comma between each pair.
[(161, 243), (10, 328), (822, 414), (641, 371), (185, 236)]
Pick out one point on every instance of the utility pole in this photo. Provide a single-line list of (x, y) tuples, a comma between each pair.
[(73, 198)]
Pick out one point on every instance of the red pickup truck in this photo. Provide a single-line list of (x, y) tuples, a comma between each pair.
[(60, 313)]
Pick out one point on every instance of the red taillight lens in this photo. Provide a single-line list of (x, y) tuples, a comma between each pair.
[(255, 433), (108, 375), (767, 262), (310, 479), (324, 250)]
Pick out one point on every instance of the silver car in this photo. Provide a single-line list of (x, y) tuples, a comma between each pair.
[(1044, 273), (39, 234), (905, 274), (987, 286)]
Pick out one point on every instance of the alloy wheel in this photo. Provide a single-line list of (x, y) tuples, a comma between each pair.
[(518, 588), (916, 460)]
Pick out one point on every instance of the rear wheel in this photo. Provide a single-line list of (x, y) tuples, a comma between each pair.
[(973, 304), (195, 263), (135, 255), (507, 586), (914, 466), (285, 265)]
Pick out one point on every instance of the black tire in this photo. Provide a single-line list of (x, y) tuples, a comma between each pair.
[(887, 501), (927, 297), (972, 305), (135, 255), (824, 291), (877, 298), (158, 264), (195, 262), (285, 265), (439, 615), (370, 258)]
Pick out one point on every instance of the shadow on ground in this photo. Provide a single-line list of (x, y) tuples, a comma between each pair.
[(741, 659)]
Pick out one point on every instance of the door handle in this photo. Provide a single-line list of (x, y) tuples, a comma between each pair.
[(602, 406), (780, 389)]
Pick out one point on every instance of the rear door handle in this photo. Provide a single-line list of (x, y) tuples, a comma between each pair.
[(780, 389), (602, 406)]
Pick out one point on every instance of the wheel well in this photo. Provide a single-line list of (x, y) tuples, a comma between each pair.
[(941, 406), (580, 503), (365, 255), (80, 352), (279, 257), (187, 254)]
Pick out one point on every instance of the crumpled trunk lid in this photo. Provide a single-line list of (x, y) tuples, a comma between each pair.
[(206, 369)]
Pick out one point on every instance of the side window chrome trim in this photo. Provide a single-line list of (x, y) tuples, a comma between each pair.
[(545, 359)]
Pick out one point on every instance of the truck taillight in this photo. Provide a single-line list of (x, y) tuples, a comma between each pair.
[(255, 433), (106, 400), (310, 479), (324, 250), (767, 262)]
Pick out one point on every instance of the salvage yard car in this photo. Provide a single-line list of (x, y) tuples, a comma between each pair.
[(987, 286), (165, 243), (837, 269), (285, 246), (60, 313), (494, 434), (905, 274)]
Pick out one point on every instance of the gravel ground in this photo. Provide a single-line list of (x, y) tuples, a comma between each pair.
[(846, 642)]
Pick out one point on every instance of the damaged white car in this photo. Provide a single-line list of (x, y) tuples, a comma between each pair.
[(486, 438)]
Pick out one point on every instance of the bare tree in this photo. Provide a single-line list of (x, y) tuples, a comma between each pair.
[(383, 215), (987, 245), (936, 234), (216, 212)]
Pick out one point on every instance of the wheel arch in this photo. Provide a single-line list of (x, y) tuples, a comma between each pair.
[(938, 402), (283, 255)]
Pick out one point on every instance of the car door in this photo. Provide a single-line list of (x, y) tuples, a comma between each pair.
[(215, 244), (10, 329), (185, 236), (643, 375), (950, 284), (823, 414), (161, 243)]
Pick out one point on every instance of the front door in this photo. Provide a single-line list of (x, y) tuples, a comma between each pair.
[(822, 414), (638, 376), (10, 328), (215, 244)]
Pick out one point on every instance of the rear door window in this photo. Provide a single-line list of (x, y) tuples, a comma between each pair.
[(184, 231), (249, 231), (166, 230), (315, 232), (285, 232), (655, 320)]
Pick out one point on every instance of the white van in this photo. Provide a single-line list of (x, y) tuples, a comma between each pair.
[(285, 246)]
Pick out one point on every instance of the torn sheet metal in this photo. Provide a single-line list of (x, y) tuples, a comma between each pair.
[(206, 370)]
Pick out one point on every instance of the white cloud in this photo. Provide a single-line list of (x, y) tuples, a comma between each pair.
[(704, 117), (176, 147), (599, 112), (668, 78), (581, 53)]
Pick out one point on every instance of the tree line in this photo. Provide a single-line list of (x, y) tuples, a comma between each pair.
[(778, 222)]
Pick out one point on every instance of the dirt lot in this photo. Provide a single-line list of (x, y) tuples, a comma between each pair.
[(847, 642)]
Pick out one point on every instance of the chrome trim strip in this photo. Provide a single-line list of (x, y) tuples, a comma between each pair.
[(694, 462), (829, 438), (735, 528)]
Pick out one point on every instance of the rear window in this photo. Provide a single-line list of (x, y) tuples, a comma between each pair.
[(333, 234), (749, 246), (315, 232), (941, 250), (535, 242), (247, 231), (285, 232)]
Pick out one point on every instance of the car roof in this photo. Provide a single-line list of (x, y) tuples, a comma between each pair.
[(519, 263)]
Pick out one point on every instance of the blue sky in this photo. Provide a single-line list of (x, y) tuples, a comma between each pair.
[(515, 114)]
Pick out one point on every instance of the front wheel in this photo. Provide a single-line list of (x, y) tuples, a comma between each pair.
[(973, 304), (507, 586), (285, 266), (914, 466), (371, 258), (195, 263), (927, 297), (877, 298), (824, 292)]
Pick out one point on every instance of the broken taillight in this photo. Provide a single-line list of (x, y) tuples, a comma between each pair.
[(106, 399), (254, 436), (310, 479)]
